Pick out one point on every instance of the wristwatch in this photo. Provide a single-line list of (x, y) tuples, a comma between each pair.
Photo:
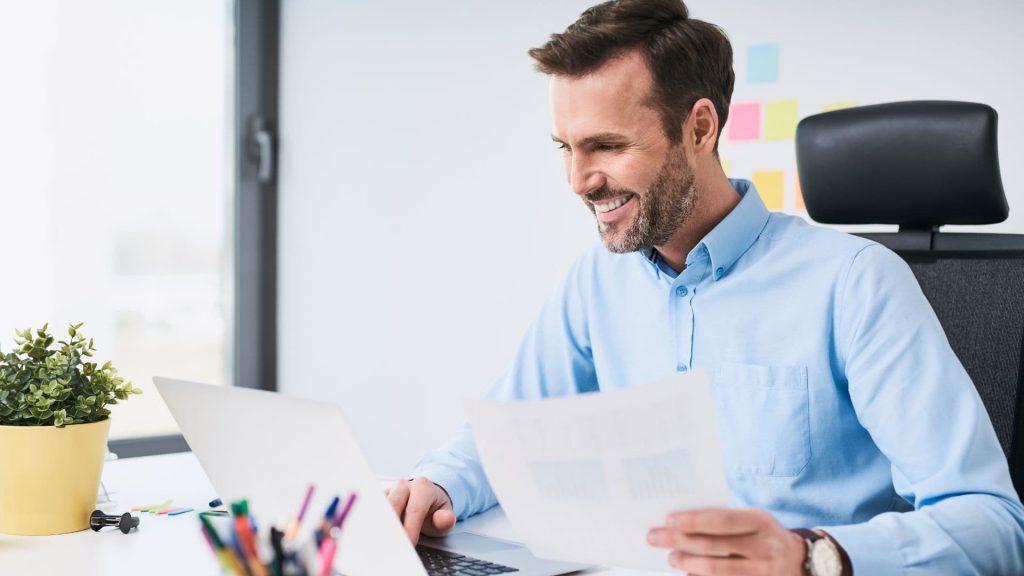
[(824, 557)]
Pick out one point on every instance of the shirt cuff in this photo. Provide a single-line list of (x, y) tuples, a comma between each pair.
[(452, 484), (871, 552)]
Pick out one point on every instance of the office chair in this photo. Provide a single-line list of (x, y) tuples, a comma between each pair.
[(922, 165)]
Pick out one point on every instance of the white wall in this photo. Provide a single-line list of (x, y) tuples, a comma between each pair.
[(424, 214)]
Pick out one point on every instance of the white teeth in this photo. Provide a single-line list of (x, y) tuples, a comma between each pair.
[(610, 205)]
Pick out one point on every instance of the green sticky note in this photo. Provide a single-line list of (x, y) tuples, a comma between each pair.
[(151, 509), (769, 184), (780, 118)]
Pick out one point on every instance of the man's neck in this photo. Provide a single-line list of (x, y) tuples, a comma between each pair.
[(715, 199)]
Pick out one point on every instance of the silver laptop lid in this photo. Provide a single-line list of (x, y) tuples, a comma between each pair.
[(268, 448)]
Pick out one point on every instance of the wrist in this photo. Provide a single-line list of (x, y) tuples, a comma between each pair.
[(446, 495), (800, 547)]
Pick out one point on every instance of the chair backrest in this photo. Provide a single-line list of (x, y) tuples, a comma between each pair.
[(921, 165)]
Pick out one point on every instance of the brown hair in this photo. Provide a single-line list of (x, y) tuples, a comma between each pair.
[(688, 59)]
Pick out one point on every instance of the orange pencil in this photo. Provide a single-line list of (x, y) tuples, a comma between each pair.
[(246, 538), (293, 528)]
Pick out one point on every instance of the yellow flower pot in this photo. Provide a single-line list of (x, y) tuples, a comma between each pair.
[(50, 476)]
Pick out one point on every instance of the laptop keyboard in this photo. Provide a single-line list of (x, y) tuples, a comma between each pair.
[(444, 563)]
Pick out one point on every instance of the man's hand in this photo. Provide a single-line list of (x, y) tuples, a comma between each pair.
[(422, 506), (719, 542)]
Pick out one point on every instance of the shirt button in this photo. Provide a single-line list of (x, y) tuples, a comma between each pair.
[(718, 272), (682, 368), (681, 291)]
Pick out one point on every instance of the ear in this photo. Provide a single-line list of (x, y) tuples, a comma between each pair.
[(703, 126)]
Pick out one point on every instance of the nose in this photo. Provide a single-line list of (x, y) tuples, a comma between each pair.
[(583, 177)]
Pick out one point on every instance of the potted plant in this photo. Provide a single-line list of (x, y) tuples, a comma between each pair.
[(53, 431)]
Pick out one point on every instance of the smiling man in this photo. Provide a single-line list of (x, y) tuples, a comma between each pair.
[(853, 439)]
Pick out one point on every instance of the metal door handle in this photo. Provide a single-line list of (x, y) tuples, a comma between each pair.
[(264, 155)]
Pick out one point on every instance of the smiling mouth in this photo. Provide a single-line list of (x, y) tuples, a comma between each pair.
[(611, 205)]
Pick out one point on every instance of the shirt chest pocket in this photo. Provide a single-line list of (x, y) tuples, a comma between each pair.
[(763, 418)]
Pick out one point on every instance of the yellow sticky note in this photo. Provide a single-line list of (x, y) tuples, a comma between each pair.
[(769, 184), (780, 118), (830, 106), (727, 167)]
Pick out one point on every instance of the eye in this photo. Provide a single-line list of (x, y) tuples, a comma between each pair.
[(607, 147), (564, 147)]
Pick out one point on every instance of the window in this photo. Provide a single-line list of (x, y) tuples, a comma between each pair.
[(118, 205)]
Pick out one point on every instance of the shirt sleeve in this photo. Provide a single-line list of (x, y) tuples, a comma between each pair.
[(553, 359), (913, 396)]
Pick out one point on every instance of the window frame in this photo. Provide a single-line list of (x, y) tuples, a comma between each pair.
[(256, 73)]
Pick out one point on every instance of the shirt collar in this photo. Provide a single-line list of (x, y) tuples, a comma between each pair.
[(736, 233), (731, 237)]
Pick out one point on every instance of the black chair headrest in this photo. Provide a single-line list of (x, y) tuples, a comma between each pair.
[(915, 164)]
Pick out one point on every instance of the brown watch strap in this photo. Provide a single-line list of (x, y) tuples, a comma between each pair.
[(808, 534), (814, 536)]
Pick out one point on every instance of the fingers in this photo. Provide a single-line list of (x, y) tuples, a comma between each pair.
[(724, 542), (418, 506), (422, 507), (441, 521), (746, 545), (696, 565), (720, 521), (398, 495)]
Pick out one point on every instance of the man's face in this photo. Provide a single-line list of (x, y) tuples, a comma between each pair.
[(639, 186)]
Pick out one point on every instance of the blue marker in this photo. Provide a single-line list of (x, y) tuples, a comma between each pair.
[(325, 524)]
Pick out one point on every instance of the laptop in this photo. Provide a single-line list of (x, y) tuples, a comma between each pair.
[(268, 448)]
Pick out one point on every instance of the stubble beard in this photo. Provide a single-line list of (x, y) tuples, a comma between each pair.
[(661, 211)]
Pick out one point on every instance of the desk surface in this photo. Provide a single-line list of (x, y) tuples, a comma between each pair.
[(163, 544)]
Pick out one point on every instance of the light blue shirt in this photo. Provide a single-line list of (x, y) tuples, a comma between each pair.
[(840, 403)]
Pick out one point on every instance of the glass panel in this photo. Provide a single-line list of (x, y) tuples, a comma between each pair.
[(116, 198)]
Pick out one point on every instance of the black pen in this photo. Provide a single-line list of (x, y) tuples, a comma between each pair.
[(277, 565)]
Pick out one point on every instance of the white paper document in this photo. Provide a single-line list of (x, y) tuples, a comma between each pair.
[(583, 478)]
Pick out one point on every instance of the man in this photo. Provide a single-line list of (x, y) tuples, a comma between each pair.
[(841, 406)]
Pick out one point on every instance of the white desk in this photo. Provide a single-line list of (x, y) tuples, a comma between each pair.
[(162, 544)]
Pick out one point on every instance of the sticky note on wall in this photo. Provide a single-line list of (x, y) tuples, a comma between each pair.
[(763, 63), (727, 167), (744, 121), (799, 192), (830, 106), (769, 184), (780, 118)]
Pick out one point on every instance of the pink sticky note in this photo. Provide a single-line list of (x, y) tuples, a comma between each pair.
[(744, 121)]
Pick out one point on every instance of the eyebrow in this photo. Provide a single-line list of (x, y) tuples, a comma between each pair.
[(596, 138)]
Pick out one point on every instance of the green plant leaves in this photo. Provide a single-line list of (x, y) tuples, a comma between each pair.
[(42, 385)]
